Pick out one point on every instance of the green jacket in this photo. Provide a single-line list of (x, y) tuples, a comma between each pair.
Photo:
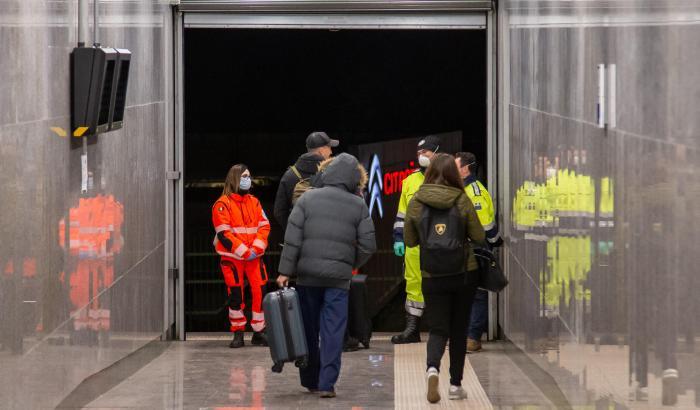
[(443, 197)]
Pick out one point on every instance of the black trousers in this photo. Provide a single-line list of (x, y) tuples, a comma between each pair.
[(448, 303)]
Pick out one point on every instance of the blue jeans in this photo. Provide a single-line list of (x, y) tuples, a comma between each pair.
[(479, 316), (325, 314)]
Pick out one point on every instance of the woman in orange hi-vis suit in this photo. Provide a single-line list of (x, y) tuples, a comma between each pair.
[(241, 239)]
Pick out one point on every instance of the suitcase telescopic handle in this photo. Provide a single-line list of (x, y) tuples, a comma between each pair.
[(286, 328)]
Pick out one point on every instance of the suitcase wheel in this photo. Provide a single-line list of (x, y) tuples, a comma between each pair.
[(302, 362), (277, 367)]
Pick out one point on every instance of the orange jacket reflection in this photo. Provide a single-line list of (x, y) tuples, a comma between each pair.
[(95, 237)]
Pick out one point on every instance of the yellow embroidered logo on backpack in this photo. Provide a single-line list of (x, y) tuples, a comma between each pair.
[(440, 228)]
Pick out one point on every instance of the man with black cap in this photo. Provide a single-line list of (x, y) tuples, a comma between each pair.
[(427, 147), (319, 146)]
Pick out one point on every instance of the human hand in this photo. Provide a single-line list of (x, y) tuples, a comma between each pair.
[(282, 281), (252, 256), (498, 243), (399, 249)]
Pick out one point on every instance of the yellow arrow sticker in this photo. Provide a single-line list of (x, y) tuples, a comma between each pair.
[(80, 131), (59, 131)]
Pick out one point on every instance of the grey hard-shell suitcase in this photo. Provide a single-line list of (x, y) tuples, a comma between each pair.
[(285, 329)]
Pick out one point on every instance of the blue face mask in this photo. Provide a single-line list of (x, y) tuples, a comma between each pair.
[(245, 183)]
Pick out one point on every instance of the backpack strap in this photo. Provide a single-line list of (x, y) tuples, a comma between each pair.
[(296, 172)]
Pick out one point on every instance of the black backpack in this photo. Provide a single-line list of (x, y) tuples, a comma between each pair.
[(442, 240)]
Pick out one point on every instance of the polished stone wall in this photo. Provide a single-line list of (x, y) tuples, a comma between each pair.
[(603, 224), (81, 274)]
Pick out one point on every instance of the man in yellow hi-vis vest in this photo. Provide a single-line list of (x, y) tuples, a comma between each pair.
[(480, 197), (415, 305)]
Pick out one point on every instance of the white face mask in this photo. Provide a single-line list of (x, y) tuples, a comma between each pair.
[(423, 161), (245, 183)]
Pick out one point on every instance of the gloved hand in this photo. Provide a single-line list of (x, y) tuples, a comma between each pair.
[(498, 243), (399, 249), (252, 256)]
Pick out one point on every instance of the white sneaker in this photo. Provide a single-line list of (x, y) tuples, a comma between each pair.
[(433, 385), (457, 393)]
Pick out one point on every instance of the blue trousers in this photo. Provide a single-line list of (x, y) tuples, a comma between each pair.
[(479, 316), (325, 313)]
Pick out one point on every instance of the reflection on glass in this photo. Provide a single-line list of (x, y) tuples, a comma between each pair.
[(568, 265), (599, 309), (93, 238), (19, 295), (562, 212), (564, 194), (566, 218)]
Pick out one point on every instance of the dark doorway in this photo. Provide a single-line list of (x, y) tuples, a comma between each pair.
[(252, 96)]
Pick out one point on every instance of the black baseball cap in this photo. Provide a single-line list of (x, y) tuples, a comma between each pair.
[(430, 143), (320, 139)]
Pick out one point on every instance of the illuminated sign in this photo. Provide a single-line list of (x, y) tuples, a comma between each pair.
[(393, 181), (375, 186), (387, 184)]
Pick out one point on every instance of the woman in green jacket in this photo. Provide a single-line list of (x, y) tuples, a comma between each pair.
[(441, 219)]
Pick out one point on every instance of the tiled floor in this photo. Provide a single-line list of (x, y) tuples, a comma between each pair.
[(206, 374), (410, 388), (506, 385), (203, 373)]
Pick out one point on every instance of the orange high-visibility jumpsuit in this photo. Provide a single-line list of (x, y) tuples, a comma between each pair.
[(242, 229), (95, 236)]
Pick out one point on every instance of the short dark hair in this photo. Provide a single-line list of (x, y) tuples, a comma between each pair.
[(443, 171), (467, 158)]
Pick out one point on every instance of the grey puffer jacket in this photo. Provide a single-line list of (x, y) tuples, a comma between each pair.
[(330, 231)]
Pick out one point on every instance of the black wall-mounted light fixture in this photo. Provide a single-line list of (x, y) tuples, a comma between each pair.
[(99, 80), (121, 80)]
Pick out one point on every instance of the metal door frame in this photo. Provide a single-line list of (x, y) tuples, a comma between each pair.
[(174, 288), (314, 14), (492, 145)]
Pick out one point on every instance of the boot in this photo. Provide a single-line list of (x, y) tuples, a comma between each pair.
[(412, 332), (237, 340), (473, 345), (351, 344), (259, 339)]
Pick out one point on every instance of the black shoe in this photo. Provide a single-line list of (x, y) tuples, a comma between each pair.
[(350, 349), (412, 332), (237, 341), (259, 339), (351, 345)]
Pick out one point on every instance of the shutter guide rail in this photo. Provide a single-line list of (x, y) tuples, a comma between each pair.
[(334, 6)]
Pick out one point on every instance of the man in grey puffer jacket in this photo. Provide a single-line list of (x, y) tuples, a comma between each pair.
[(330, 232)]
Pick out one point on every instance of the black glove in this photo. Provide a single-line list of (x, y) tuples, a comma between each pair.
[(497, 244)]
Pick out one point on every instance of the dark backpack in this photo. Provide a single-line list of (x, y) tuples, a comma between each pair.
[(442, 240)]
